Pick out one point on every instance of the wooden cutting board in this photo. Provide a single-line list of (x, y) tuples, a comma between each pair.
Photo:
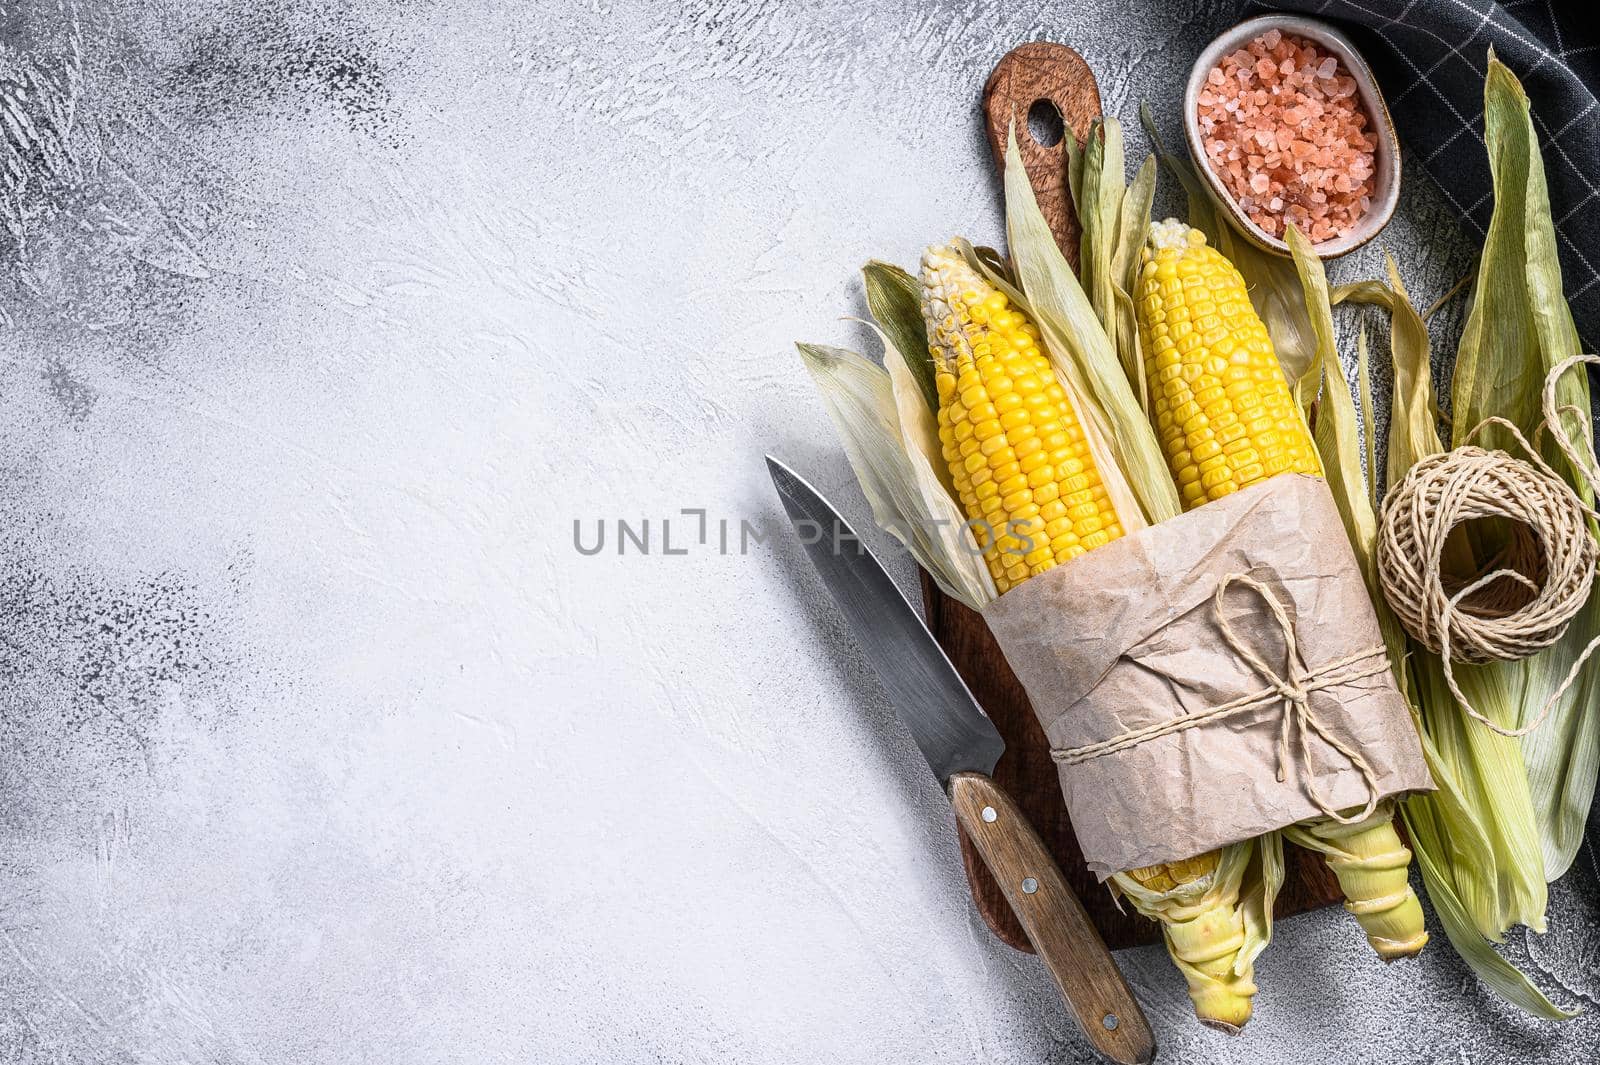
[(1055, 73)]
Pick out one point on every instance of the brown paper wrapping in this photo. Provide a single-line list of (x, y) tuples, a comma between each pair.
[(1126, 636)]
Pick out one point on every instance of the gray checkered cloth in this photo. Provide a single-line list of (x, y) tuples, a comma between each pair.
[(1431, 56)]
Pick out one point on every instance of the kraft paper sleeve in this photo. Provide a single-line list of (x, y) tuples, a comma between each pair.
[(1126, 636)]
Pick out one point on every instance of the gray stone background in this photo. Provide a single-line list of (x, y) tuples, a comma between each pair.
[(320, 325)]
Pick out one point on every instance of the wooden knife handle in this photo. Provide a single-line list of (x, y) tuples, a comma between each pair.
[(1054, 919)]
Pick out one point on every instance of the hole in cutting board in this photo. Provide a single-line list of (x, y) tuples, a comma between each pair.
[(1045, 125)]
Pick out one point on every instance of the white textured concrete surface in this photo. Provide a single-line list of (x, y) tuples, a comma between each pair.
[(320, 742)]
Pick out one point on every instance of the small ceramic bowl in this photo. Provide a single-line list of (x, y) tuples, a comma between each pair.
[(1386, 159)]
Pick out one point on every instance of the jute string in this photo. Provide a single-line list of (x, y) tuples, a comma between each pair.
[(1292, 689), (1533, 588)]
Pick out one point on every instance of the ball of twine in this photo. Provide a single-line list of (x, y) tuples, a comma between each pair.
[(1529, 593)]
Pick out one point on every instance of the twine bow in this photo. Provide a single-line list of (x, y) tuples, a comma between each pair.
[(1291, 688), (1295, 691)]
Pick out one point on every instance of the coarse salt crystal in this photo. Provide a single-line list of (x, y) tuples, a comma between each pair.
[(1283, 130)]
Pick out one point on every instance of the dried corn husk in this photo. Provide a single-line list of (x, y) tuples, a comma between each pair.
[(909, 500)]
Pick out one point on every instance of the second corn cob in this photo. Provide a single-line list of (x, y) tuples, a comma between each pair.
[(1226, 420), (1025, 476)]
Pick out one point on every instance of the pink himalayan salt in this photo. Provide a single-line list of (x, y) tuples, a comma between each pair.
[(1285, 98)]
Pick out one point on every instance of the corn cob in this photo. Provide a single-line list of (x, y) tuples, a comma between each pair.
[(1222, 409), (1018, 457), (1027, 480), (1226, 420)]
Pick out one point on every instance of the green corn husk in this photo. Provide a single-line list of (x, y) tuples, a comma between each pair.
[(1520, 327), (1455, 833), (1477, 838)]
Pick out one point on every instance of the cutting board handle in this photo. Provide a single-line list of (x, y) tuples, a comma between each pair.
[(1026, 772), (1028, 74)]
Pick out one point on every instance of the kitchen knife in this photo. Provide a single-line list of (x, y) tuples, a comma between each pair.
[(962, 746)]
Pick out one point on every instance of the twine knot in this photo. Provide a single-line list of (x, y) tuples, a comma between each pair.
[(1292, 688)]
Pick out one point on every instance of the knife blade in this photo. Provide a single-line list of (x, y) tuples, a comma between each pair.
[(961, 746), (930, 698)]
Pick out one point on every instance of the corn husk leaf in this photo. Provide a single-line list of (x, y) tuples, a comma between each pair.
[(1132, 226), (1453, 832), (1075, 157), (1258, 895), (1099, 204), (895, 299), (1318, 313), (1339, 444), (994, 263), (1114, 219), (1484, 771), (1369, 433), (1505, 979), (1082, 354), (908, 499), (1418, 433), (1519, 327)]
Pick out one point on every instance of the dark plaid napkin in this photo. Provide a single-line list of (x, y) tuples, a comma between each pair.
[(1431, 56)]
